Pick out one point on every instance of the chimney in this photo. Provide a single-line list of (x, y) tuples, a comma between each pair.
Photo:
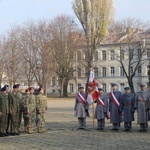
[(129, 30)]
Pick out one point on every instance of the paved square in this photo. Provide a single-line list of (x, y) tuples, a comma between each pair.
[(61, 135)]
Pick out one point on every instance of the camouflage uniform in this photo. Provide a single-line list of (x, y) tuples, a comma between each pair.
[(41, 107), (21, 107), (25, 111), (5, 110), (31, 108), (14, 106)]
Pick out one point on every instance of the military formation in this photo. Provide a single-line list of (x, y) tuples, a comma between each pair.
[(118, 107), (15, 106)]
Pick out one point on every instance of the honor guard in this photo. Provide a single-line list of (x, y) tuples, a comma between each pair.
[(81, 108), (143, 107), (128, 107), (115, 107), (101, 109)]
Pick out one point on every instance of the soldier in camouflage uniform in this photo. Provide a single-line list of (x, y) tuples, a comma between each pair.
[(25, 110), (21, 106), (14, 109), (31, 109), (4, 110), (41, 108)]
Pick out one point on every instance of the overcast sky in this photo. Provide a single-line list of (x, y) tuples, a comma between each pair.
[(18, 11)]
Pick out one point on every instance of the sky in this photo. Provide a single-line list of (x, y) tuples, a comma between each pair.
[(14, 12)]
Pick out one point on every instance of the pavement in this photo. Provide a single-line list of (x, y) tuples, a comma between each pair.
[(61, 133)]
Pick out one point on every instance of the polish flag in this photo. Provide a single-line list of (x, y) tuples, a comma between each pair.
[(114, 99), (92, 90)]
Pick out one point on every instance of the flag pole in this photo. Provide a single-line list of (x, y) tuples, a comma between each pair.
[(93, 115)]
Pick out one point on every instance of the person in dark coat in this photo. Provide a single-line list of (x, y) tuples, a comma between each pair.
[(101, 109), (128, 107), (143, 108), (81, 108), (115, 107)]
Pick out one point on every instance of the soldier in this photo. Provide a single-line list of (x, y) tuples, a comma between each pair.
[(115, 107), (142, 104), (9, 115), (25, 110), (31, 109), (14, 109), (81, 108), (41, 108), (4, 110), (101, 109), (128, 107), (21, 106)]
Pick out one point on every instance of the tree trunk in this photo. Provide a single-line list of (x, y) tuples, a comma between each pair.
[(65, 88), (130, 82)]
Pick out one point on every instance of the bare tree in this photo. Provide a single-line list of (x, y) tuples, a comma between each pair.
[(65, 37), (133, 45)]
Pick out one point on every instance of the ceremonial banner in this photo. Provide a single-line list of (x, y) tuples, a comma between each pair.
[(114, 99), (92, 90)]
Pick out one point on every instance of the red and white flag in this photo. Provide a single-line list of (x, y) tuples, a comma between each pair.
[(92, 90), (101, 102), (81, 98), (114, 99)]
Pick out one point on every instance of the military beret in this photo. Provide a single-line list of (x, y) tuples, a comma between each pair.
[(4, 88), (7, 86), (127, 88), (15, 86), (113, 84), (31, 88), (40, 88), (100, 89), (81, 87), (142, 85), (27, 90), (18, 85)]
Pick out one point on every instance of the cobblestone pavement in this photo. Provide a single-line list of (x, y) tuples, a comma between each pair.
[(61, 134)]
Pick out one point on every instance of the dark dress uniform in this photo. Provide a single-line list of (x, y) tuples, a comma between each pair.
[(128, 107), (115, 111)]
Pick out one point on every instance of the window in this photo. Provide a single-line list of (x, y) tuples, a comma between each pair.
[(59, 82), (131, 70), (121, 87), (121, 72), (79, 72), (53, 81), (122, 54), (96, 71), (104, 87), (112, 71), (139, 53), (104, 72), (95, 58), (112, 55), (139, 70), (86, 72), (71, 88), (103, 55), (79, 54), (131, 54)]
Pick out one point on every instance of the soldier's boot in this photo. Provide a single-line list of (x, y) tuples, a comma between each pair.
[(40, 130), (43, 130), (30, 131)]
